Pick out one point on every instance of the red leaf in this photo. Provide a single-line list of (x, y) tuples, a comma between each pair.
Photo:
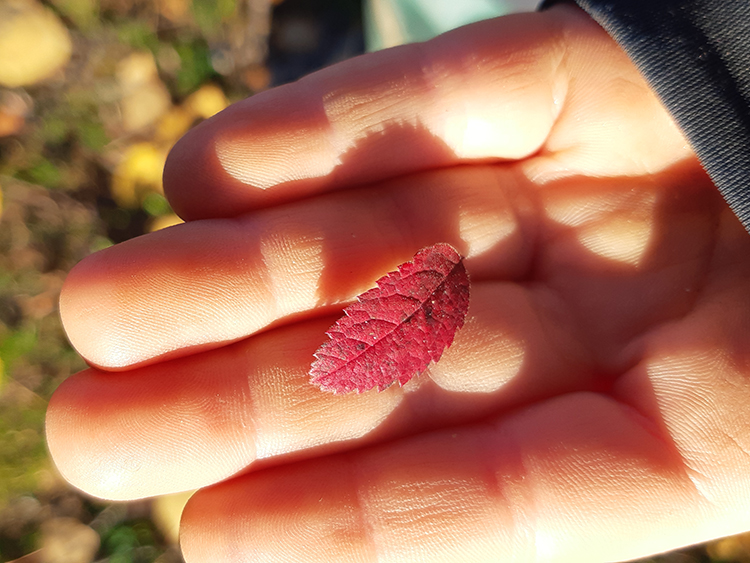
[(394, 330)]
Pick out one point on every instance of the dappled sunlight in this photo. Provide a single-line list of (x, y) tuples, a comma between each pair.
[(284, 157), (356, 114), (488, 352), (483, 228), (294, 261), (493, 109), (593, 203), (617, 224), (478, 135), (494, 134), (479, 360), (621, 240)]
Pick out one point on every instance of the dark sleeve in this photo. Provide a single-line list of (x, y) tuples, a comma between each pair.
[(695, 54)]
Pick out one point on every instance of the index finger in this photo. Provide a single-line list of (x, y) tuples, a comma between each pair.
[(491, 91)]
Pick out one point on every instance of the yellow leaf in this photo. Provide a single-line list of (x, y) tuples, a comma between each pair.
[(173, 125), (174, 10), (166, 512), (144, 97), (207, 101), (34, 43), (164, 221), (734, 548), (135, 70), (138, 172)]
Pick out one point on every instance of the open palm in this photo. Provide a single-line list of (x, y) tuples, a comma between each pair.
[(591, 408)]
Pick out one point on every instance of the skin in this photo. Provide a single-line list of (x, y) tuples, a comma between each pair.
[(590, 410)]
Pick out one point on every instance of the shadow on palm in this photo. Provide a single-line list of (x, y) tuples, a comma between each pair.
[(571, 280)]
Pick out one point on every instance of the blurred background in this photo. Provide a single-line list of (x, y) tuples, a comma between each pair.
[(93, 93)]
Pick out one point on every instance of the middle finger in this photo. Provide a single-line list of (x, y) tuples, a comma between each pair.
[(207, 283)]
